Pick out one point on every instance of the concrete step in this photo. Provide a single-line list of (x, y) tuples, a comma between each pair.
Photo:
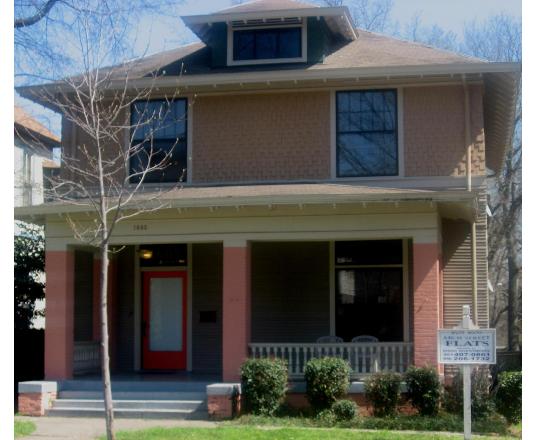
[(134, 395), (142, 405), (133, 385), (130, 413)]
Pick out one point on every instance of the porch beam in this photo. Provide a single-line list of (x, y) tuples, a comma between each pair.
[(236, 307)]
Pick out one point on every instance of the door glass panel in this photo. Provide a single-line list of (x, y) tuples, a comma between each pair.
[(165, 308)]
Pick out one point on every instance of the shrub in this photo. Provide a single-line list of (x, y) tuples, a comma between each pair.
[(327, 380), (508, 395), (382, 390), (424, 389), (325, 417), (264, 384), (344, 410), (481, 402)]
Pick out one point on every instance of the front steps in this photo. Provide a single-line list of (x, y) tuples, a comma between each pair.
[(132, 399)]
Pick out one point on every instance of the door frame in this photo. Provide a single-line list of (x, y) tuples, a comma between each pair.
[(146, 276)]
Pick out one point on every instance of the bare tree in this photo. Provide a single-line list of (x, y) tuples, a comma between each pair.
[(44, 30), (499, 39), (430, 35), (370, 15), (116, 153)]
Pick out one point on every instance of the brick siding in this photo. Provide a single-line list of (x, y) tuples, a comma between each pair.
[(434, 131), (261, 137)]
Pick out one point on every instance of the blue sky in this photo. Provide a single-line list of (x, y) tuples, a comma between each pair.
[(448, 14), (162, 33)]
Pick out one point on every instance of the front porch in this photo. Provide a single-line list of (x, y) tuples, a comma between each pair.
[(266, 299)]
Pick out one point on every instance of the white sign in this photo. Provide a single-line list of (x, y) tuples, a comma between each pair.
[(470, 347)]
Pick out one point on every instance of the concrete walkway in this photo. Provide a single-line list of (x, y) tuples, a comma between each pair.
[(60, 428)]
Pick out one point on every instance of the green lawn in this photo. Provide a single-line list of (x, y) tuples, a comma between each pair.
[(23, 427), (441, 422), (255, 433)]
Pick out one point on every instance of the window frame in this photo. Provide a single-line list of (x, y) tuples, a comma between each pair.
[(406, 284), (399, 133), (187, 140), (230, 45)]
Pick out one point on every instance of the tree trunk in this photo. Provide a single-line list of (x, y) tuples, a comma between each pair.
[(105, 356)]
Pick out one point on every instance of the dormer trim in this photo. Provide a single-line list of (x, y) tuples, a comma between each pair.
[(337, 18)]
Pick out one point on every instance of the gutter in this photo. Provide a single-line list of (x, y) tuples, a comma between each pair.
[(291, 75), (265, 199)]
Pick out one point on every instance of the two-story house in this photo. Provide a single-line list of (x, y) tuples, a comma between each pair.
[(34, 149), (334, 203)]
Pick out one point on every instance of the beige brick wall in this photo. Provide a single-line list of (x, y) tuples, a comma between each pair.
[(286, 136), (434, 131), (261, 137)]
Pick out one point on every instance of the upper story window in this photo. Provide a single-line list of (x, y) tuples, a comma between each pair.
[(367, 139), (159, 134), (267, 44)]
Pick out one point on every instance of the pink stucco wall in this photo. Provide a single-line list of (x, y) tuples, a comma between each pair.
[(426, 303), (236, 310), (59, 329)]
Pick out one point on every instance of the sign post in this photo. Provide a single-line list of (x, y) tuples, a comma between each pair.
[(466, 345)]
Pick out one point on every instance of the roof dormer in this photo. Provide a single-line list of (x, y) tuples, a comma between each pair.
[(272, 32)]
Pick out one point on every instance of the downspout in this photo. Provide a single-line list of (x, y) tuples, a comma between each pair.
[(467, 111), (468, 173)]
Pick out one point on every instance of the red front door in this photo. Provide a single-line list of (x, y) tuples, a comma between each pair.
[(164, 320)]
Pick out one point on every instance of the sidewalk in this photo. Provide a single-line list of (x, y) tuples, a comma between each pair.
[(60, 428)]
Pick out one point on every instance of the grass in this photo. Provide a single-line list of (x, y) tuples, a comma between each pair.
[(23, 427), (256, 433), (442, 422)]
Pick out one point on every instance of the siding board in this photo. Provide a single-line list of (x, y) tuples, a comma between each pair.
[(207, 278), (457, 266), (289, 291), (83, 296), (125, 310)]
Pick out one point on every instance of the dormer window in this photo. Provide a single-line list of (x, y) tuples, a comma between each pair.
[(267, 44)]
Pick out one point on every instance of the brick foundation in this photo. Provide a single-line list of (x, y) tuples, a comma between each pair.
[(220, 400), (299, 400), (36, 397)]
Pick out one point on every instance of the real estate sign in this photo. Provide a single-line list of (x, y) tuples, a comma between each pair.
[(469, 347)]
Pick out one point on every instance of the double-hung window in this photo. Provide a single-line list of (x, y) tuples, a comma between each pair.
[(367, 142), (158, 140)]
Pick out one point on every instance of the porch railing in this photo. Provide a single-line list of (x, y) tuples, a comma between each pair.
[(86, 357), (364, 357)]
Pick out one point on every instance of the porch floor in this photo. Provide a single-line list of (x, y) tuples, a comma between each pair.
[(142, 381)]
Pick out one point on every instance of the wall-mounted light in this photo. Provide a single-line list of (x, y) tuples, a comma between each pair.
[(146, 254)]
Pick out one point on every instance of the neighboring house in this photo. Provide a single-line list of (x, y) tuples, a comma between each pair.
[(34, 147), (335, 187)]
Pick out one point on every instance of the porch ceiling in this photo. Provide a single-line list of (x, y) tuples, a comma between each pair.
[(455, 203)]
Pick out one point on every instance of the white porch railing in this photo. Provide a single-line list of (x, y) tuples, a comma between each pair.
[(86, 357), (364, 357)]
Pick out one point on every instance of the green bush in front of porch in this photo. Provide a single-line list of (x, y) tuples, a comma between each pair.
[(382, 390), (264, 384), (327, 379), (423, 389)]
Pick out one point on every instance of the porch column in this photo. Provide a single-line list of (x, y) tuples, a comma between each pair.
[(236, 308), (426, 303), (59, 328)]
